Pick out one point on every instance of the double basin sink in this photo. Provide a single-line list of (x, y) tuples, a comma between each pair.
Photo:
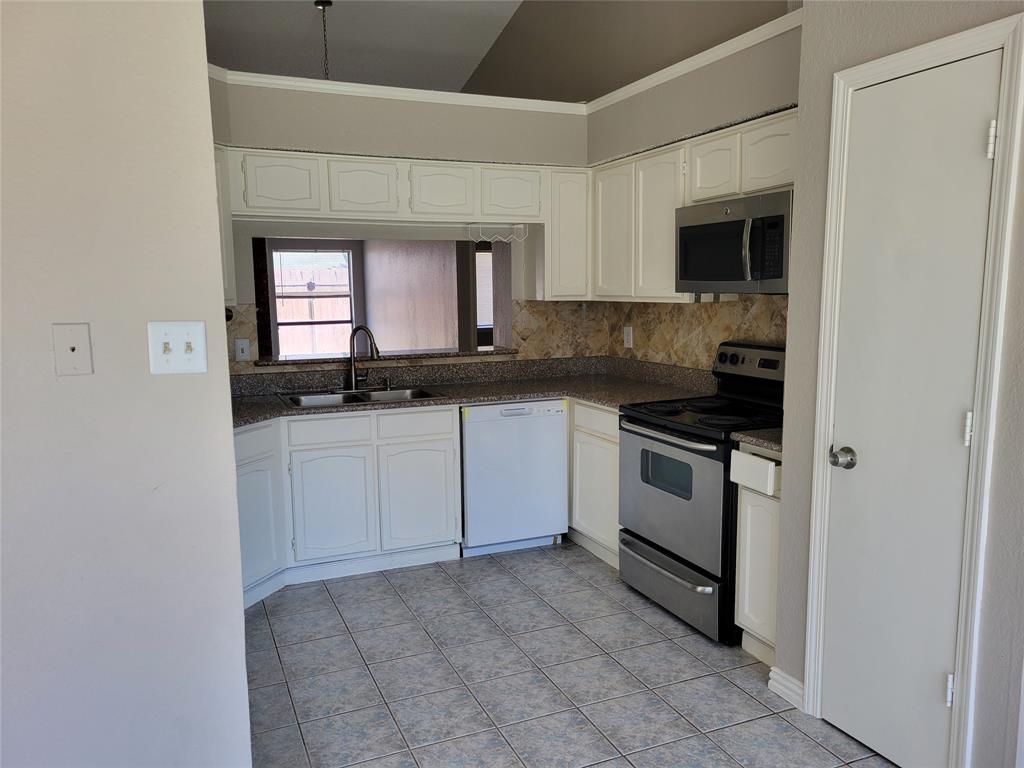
[(358, 397)]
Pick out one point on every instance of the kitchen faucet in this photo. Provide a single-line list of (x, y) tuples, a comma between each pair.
[(374, 353)]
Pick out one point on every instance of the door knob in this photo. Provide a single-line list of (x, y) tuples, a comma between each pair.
[(844, 458)]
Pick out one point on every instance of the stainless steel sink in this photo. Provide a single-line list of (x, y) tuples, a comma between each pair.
[(325, 400), (394, 395), (363, 397)]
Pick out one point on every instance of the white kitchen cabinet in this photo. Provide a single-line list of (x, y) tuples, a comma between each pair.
[(568, 238), (418, 487), (757, 564), (334, 501), (595, 475), (614, 231), (448, 189), (227, 239), (714, 167), (659, 191), (508, 192), (264, 550), (767, 154), (358, 186), (281, 181)]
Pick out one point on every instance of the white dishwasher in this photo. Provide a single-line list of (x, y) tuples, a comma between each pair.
[(515, 475)]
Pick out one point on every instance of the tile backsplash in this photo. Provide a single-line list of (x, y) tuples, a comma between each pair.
[(676, 334)]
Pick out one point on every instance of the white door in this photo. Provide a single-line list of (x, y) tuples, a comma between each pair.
[(595, 488), (567, 251), (913, 250), (360, 185), (262, 541), (443, 189), (334, 502), (509, 192), (715, 167), (613, 247), (659, 191), (757, 563), (417, 493)]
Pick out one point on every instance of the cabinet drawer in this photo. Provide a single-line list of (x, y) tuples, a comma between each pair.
[(597, 421), (756, 473), (255, 442), (347, 429), (419, 424)]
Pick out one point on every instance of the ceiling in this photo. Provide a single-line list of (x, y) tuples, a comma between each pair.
[(428, 44)]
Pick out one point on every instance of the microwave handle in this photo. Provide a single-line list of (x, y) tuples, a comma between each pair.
[(747, 225)]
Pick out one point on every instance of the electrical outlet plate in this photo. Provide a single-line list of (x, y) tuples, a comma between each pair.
[(627, 336), (177, 347), (243, 350)]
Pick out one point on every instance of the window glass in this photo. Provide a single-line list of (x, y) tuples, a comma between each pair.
[(313, 299)]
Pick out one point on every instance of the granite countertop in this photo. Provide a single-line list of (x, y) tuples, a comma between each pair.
[(609, 391), (771, 439)]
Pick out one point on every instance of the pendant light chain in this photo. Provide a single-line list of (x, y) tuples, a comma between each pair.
[(323, 5)]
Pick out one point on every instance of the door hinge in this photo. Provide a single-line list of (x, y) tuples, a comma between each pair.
[(990, 153), (949, 690), (968, 428)]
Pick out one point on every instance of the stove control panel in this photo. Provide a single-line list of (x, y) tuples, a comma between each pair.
[(752, 360)]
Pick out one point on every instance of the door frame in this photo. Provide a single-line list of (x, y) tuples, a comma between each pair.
[(1006, 34)]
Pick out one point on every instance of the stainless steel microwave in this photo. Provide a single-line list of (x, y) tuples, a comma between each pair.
[(740, 245)]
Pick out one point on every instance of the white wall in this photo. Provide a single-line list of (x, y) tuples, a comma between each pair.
[(122, 631)]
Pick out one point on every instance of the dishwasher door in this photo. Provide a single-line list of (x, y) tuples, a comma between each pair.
[(515, 472)]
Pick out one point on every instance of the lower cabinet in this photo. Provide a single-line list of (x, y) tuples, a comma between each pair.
[(418, 487), (595, 477), (757, 565), (264, 549)]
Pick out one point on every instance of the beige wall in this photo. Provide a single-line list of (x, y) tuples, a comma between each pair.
[(837, 36), (122, 625), (358, 125), (755, 80)]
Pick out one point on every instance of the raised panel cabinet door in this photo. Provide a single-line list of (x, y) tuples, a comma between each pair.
[(507, 192), (757, 564), (595, 488), (418, 487), (767, 154), (568, 254), (443, 189), (334, 501), (281, 181), (264, 550), (659, 188), (227, 237), (613, 246), (363, 186), (715, 167)]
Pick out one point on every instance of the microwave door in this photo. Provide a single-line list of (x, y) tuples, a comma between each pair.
[(714, 257)]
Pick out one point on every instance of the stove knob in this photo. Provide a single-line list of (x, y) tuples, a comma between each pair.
[(722, 357), (734, 359)]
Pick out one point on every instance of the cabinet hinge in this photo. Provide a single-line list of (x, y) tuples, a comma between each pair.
[(289, 467), (684, 167), (949, 690), (245, 197), (990, 153), (968, 428), (293, 545)]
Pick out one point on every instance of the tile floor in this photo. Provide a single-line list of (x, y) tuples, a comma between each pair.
[(539, 658)]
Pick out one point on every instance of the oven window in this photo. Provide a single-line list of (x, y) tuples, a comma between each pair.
[(711, 251), (666, 474)]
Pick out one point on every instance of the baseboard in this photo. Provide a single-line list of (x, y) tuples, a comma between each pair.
[(759, 649), (610, 556), (509, 546), (786, 686)]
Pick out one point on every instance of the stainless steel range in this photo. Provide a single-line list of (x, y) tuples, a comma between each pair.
[(677, 507)]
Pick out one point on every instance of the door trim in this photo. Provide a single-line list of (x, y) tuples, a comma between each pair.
[(1006, 34)]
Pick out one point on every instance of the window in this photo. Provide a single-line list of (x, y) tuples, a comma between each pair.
[(484, 296)]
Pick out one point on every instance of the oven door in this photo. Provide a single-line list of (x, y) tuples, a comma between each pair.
[(672, 493)]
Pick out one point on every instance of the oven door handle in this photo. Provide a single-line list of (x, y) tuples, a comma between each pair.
[(635, 429), (747, 225), (700, 590)]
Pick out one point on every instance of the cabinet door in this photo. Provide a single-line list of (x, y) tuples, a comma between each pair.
[(418, 489), (507, 192), (281, 181), (334, 501), (613, 246), (659, 189), (568, 254), (595, 488), (715, 167), (767, 154), (357, 186), (443, 189), (757, 566), (262, 535), (227, 237)]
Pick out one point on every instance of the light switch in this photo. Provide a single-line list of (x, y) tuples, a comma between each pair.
[(243, 350), (177, 347), (72, 349)]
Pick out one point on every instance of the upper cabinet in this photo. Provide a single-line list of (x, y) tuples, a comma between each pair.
[(509, 192), (714, 167), (227, 235), (568, 247), (767, 154), (613, 231), (659, 191), (363, 186), (289, 182), (447, 189)]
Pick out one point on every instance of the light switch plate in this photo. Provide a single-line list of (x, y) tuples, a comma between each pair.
[(627, 336), (177, 347), (72, 349), (243, 350)]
